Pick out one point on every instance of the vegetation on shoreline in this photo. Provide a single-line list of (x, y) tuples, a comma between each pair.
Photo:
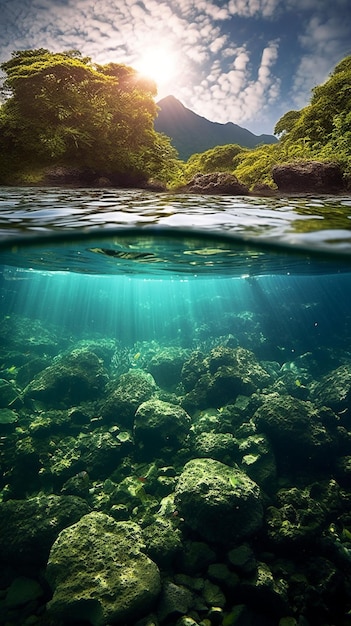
[(62, 110)]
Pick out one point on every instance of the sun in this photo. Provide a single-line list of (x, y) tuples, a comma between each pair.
[(159, 64)]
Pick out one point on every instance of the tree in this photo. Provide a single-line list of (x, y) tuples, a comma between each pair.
[(61, 108), (218, 159)]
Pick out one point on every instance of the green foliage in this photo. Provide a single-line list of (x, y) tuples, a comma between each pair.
[(286, 123), (60, 108), (319, 131), (322, 129), (218, 159), (255, 166)]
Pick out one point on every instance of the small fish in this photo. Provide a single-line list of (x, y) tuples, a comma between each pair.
[(11, 369), (142, 479), (137, 356)]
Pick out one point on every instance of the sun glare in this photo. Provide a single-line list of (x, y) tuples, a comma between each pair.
[(160, 64)]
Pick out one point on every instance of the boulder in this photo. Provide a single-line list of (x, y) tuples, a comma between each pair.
[(221, 376), (160, 424), (334, 389), (166, 366), (308, 177), (235, 371), (72, 378), (99, 573), (300, 514), (216, 183), (295, 428), (220, 446), (133, 388), (163, 542), (29, 527), (219, 502)]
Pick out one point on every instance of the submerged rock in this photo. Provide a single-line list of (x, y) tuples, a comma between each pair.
[(294, 427), (166, 366), (334, 389), (221, 376), (301, 513), (99, 573), (9, 395), (28, 528), (72, 378), (220, 502), (133, 388), (159, 424), (163, 542)]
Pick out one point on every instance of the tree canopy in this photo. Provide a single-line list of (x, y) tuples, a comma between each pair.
[(60, 108)]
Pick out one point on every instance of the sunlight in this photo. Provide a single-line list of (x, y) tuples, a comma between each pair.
[(159, 64)]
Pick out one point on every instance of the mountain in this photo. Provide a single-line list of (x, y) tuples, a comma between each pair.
[(191, 133)]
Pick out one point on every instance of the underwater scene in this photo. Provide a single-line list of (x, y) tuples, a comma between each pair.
[(175, 432)]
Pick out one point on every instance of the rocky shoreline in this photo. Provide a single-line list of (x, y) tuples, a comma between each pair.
[(291, 179)]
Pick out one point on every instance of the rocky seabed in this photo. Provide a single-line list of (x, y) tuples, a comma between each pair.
[(159, 485)]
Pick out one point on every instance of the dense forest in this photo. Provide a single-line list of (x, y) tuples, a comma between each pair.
[(61, 109)]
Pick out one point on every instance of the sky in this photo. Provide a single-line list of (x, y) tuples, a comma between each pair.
[(244, 61)]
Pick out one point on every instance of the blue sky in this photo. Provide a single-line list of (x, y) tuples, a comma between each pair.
[(245, 61)]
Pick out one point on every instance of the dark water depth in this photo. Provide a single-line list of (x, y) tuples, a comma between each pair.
[(175, 430)]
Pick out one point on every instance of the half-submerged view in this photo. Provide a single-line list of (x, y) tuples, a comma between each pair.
[(175, 432)]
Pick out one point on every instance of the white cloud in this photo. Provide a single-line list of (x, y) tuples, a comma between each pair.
[(218, 74), (322, 45), (252, 8)]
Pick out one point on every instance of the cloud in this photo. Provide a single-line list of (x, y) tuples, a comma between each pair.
[(323, 44), (228, 62), (236, 94)]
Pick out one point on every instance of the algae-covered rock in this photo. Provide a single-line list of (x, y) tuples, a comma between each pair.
[(163, 542), (96, 453), (133, 388), (159, 424), (294, 427), (99, 573), (220, 502), (175, 601), (334, 389), (72, 378), (301, 513), (29, 527), (258, 460), (221, 376), (219, 446), (166, 366)]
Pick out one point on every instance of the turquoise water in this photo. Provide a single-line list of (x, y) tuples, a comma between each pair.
[(194, 382)]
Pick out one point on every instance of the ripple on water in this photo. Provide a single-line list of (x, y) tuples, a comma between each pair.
[(322, 222)]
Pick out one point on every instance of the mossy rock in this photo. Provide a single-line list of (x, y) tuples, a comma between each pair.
[(29, 527), (99, 573), (219, 502)]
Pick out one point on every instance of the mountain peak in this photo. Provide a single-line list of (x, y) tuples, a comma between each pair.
[(190, 133)]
